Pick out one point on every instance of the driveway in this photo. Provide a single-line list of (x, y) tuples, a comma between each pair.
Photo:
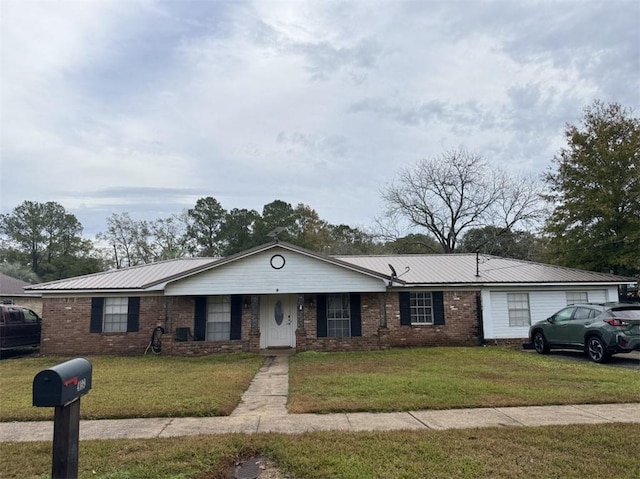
[(629, 360)]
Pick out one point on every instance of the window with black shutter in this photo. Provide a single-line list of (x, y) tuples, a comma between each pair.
[(421, 308), (115, 315)]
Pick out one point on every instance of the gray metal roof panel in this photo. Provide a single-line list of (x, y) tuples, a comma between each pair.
[(411, 269), (135, 277), (461, 269)]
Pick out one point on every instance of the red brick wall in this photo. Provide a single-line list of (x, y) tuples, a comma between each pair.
[(461, 326), (66, 327), (182, 310)]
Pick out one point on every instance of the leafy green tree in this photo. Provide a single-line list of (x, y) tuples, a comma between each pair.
[(205, 221), (42, 233), (128, 239), (277, 214), (79, 258), (595, 192), (311, 232), (169, 238), (237, 231), (16, 270), (344, 239), (500, 242)]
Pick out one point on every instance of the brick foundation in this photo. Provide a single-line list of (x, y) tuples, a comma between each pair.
[(512, 343)]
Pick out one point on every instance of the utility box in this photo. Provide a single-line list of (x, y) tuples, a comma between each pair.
[(62, 384)]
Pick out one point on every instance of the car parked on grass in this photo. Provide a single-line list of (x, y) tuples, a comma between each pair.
[(600, 329), (20, 327)]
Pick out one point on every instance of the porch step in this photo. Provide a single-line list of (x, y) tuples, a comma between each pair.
[(278, 351)]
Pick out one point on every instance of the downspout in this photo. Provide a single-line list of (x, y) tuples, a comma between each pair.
[(480, 319)]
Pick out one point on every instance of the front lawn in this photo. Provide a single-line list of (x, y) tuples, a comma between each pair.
[(577, 451), (141, 386), (378, 381), (449, 377)]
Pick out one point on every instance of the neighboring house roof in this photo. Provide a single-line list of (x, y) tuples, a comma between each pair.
[(10, 286), (410, 270)]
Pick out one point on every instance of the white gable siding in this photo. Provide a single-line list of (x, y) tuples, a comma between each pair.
[(542, 304), (255, 275)]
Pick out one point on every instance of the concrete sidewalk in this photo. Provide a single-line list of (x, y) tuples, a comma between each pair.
[(263, 409)]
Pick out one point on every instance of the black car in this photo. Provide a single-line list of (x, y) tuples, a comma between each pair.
[(20, 327)]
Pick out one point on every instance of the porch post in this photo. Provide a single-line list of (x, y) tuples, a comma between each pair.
[(301, 334), (254, 333)]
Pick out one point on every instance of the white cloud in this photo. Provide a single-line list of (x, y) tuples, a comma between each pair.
[(146, 106)]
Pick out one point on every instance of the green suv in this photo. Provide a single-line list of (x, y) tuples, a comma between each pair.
[(599, 329)]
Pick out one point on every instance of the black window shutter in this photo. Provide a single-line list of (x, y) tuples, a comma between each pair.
[(321, 314), (97, 307), (133, 315), (200, 319), (356, 314), (438, 307), (236, 316), (405, 308)]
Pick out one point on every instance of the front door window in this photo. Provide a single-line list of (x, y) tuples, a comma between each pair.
[(278, 313)]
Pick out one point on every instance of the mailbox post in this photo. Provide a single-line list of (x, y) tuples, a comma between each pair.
[(61, 386)]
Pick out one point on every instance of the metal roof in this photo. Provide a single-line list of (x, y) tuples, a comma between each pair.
[(461, 269), (135, 277), (453, 269)]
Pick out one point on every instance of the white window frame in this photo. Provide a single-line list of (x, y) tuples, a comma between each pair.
[(571, 297), (338, 315), (421, 305), (519, 309), (218, 318), (115, 315)]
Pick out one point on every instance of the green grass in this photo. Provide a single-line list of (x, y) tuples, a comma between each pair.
[(441, 378), (143, 386), (575, 451), (379, 381)]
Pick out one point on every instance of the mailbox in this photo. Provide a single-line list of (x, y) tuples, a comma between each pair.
[(62, 384)]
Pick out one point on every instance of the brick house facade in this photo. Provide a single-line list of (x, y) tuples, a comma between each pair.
[(72, 335), (283, 296)]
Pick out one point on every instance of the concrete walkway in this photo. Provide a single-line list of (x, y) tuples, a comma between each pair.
[(263, 409)]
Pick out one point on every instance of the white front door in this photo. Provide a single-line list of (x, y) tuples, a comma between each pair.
[(278, 321)]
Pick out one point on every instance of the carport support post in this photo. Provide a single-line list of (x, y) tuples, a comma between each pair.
[(66, 435)]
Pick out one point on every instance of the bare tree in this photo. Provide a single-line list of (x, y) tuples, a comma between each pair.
[(457, 191)]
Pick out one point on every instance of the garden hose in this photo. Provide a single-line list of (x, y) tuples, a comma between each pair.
[(155, 345)]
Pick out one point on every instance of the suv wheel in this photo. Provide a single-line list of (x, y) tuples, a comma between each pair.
[(540, 343), (596, 350)]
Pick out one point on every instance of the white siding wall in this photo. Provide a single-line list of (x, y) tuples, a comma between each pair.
[(542, 304), (254, 275)]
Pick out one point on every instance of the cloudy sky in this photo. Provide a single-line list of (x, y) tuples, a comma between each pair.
[(146, 106)]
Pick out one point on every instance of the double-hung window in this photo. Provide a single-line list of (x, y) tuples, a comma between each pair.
[(218, 318), (115, 315), (518, 305), (338, 316), (421, 304)]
